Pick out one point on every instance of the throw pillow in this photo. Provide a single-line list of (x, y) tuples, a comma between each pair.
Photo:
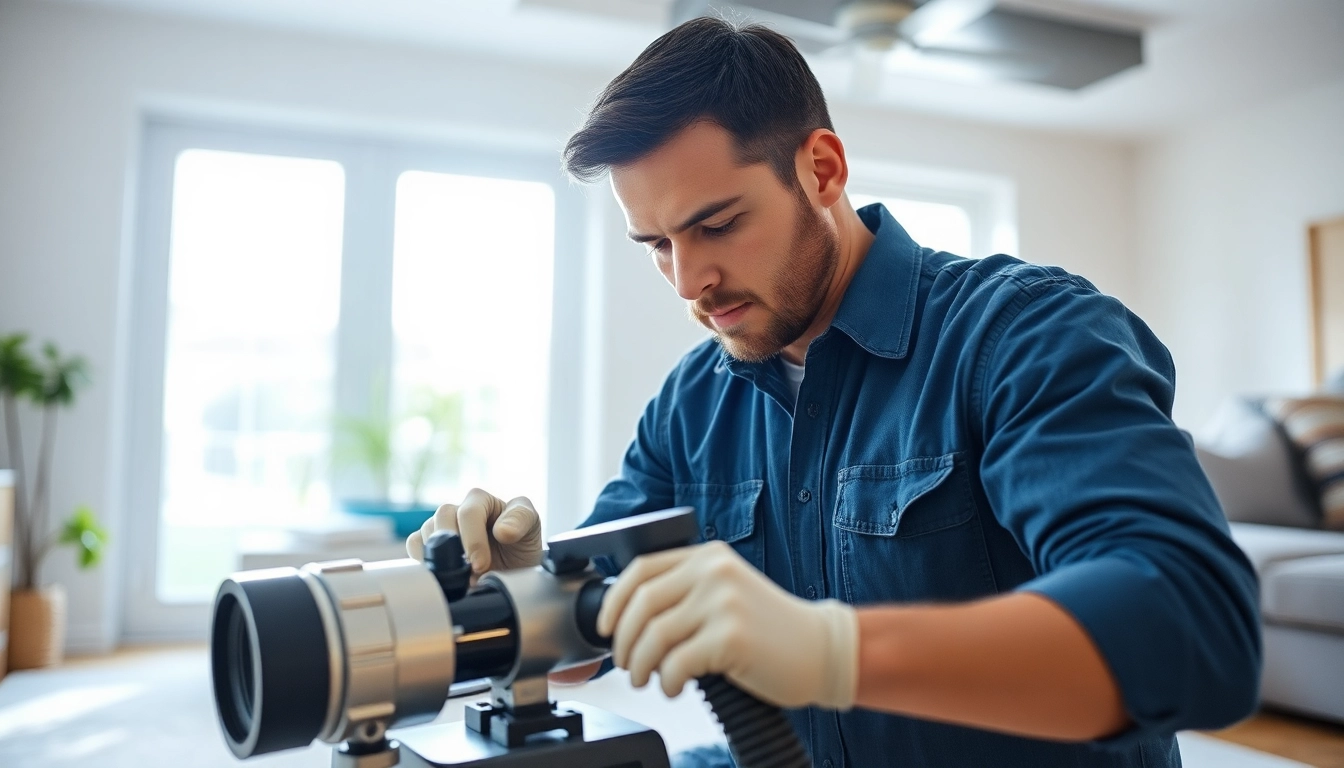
[(1249, 462), (1316, 427)]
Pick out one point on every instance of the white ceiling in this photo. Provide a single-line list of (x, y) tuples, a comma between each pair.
[(1204, 57)]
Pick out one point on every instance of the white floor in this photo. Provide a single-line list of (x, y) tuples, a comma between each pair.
[(156, 709)]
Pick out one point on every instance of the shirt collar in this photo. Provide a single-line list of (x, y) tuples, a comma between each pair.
[(878, 310)]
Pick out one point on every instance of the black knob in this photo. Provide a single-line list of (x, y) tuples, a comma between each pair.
[(587, 608), (447, 560)]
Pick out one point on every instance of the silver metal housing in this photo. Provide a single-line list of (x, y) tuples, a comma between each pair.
[(390, 638), (544, 605)]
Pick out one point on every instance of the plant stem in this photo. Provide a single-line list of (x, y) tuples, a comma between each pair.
[(22, 522), (41, 507), (46, 547)]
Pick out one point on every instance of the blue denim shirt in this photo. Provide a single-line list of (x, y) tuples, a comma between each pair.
[(967, 428)]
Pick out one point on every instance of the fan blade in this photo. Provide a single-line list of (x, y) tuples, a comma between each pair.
[(988, 65), (936, 19), (1071, 56)]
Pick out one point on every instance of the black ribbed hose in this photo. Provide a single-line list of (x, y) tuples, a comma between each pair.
[(759, 735)]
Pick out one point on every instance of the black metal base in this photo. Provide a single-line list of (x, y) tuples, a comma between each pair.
[(512, 728), (606, 741)]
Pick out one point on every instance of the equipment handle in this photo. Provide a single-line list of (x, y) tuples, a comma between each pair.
[(759, 735)]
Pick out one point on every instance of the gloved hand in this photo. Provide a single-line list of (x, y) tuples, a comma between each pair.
[(703, 609), (495, 535)]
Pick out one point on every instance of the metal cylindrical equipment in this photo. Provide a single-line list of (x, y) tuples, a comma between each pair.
[(336, 651), (345, 650)]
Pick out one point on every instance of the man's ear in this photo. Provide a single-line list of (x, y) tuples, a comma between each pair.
[(822, 168)]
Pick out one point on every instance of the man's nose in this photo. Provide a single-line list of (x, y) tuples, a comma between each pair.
[(692, 274)]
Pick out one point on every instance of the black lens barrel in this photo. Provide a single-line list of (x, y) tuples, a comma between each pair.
[(488, 643), (270, 662)]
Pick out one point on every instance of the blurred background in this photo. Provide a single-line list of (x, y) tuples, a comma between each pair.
[(316, 270)]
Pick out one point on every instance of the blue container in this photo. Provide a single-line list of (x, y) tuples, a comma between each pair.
[(406, 518)]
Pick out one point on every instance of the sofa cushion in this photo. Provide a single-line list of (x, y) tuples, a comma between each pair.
[(1249, 462), (1316, 427), (1267, 545), (1308, 591)]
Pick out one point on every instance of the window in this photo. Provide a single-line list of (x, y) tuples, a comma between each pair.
[(471, 313), (253, 299), (285, 285), (940, 226), (968, 214)]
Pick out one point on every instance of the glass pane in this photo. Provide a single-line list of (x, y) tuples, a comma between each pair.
[(253, 300), (941, 226), (472, 282)]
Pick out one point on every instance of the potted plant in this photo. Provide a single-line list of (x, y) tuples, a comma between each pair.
[(37, 613), (428, 439)]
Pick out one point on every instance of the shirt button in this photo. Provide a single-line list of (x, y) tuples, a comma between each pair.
[(812, 410), (804, 496), (710, 533), (811, 593)]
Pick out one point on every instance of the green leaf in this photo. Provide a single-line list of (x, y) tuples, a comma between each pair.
[(88, 537), (443, 453), (61, 378), (19, 375), (366, 441)]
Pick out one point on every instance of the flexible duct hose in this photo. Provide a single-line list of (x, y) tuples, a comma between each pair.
[(759, 735)]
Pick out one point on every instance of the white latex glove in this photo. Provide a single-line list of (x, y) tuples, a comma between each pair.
[(703, 609), (496, 535)]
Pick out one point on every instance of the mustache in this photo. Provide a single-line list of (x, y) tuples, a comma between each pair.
[(718, 302)]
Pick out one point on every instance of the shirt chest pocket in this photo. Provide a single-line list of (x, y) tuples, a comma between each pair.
[(908, 532), (728, 512)]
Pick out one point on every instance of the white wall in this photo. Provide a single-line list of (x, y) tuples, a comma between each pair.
[(1075, 204), (1223, 211), (74, 82)]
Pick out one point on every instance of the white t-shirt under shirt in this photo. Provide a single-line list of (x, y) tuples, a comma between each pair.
[(793, 374)]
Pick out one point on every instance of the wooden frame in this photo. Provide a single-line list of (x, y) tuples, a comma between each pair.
[(1325, 271)]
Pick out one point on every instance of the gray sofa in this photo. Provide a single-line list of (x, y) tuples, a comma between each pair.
[(1302, 606), (1275, 519)]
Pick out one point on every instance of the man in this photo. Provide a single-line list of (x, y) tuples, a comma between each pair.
[(950, 521)]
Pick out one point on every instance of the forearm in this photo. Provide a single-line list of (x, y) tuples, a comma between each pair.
[(1017, 663), (576, 675)]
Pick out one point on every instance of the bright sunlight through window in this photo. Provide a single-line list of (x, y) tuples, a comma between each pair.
[(254, 291), (940, 226), (471, 313)]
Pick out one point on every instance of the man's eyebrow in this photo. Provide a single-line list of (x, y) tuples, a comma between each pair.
[(704, 213)]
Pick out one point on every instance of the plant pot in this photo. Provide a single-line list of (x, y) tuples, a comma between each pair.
[(37, 627)]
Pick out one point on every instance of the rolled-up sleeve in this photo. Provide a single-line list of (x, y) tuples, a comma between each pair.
[(1083, 465)]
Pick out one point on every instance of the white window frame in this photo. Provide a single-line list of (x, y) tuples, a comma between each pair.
[(990, 201), (364, 348)]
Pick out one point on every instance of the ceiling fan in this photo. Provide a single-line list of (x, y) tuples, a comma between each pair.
[(959, 39)]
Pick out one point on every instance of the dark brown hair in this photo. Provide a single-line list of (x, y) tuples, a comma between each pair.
[(749, 80)]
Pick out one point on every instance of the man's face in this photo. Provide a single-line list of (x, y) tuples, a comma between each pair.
[(751, 256)]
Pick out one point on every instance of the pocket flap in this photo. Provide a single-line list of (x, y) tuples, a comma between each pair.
[(873, 499), (727, 510)]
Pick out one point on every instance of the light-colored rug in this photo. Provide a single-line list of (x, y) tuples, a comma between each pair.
[(155, 709)]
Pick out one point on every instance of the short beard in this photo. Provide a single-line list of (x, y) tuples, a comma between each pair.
[(800, 287)]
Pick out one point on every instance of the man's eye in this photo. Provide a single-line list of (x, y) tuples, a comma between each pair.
[(723, 230), (658, 246)]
